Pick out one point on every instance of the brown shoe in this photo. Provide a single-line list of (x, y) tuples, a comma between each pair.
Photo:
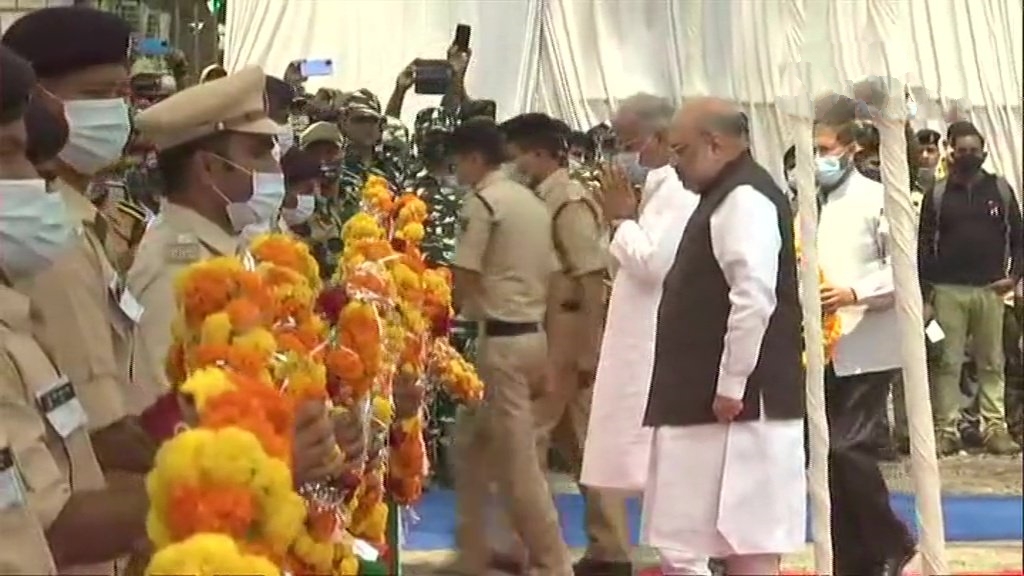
[(947, 444), (999, 442)]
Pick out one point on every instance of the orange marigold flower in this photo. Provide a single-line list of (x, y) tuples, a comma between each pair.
[(224, 509), (244, 314)]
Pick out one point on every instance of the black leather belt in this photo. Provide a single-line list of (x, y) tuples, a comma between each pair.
[(500, 328)]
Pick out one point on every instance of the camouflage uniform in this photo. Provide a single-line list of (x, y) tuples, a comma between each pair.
[(352, 172), (323, 230)]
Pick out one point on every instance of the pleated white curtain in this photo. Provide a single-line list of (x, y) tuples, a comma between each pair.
[(371, 41), (576, 58), (594, 53)]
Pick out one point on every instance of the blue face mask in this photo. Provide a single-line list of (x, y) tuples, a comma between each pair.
[(829, 170)]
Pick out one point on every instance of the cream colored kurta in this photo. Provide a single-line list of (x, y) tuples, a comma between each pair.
[(618, 447), (733, 489)]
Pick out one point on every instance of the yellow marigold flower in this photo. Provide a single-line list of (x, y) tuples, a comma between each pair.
[(383, 409), (216, 329), (206, 383), (209, 555), (258, 340)]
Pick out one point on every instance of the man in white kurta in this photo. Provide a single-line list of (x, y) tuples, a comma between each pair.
[(726, 476), (617, 451)]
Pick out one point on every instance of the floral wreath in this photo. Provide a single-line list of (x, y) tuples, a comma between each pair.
[(258, 334)]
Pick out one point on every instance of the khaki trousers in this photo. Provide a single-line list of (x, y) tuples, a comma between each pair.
[(561, 417), (497, 445), (977, 312)]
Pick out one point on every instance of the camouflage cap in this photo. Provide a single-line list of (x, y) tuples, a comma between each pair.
[(434, 120), (362, 102), (321, 132)]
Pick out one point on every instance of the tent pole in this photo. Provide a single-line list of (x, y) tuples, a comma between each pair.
[(902, 220), (817, 421)]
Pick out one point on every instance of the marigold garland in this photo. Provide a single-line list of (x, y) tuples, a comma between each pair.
[(256, 335), (832, 329), (247, 346)]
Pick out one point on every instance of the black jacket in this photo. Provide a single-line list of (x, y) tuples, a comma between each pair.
[(974, 240)]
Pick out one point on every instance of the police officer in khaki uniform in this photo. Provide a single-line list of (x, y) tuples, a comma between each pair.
[(502, 262), (574, 322), (56, 513), (85, 316), (215, 148)]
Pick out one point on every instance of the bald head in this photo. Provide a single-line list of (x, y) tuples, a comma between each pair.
[(707, 134)]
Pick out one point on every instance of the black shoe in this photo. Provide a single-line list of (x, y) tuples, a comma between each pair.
[(902, 445), (590, 567)]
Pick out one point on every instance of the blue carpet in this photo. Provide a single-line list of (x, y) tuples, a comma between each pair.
[(968, 519)]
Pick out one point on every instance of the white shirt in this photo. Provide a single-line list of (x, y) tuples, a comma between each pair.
[(746, 242), (618, 446), (738, 488), (665, 205), (853, 252)]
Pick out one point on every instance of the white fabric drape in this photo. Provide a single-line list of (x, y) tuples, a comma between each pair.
[(576, 58), (371, 41)]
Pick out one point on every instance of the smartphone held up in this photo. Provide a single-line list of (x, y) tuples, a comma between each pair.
[(310, 68)]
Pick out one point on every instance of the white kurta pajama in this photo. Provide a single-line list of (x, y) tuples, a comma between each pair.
[(733, 489), (617, 451)]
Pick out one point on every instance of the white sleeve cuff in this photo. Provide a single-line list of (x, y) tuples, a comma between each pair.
[(731, 386)]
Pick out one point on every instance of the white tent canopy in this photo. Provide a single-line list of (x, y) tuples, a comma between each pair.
[(576, 58)]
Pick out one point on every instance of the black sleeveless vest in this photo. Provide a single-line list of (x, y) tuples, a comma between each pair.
[(693, 313)]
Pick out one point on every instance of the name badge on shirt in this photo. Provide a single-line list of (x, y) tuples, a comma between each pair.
[(62, 408), (126, 300), (12, 492)]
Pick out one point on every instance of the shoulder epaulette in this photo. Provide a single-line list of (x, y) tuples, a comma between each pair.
[(131, 209)]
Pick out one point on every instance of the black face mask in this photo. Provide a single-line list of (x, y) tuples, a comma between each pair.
[(968, 164)]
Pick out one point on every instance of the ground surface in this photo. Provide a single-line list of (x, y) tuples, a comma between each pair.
[(963, 474), (978, 558)]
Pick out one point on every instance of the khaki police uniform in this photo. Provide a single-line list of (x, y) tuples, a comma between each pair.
[(46, 430), (574, 327), (506, 239), (181, 236), (23, 547), (85, 317)]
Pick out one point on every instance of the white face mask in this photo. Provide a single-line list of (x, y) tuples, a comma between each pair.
[(34, 227), (262, 206), (97, 133), (302, 212), (630, 164)]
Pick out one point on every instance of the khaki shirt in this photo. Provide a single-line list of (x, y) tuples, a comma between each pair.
[(23, 547), (51, 465), (506, 237), (79, 318), (581, 243), (176, 239)]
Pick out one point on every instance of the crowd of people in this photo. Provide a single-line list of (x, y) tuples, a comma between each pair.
[(581, 261)]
